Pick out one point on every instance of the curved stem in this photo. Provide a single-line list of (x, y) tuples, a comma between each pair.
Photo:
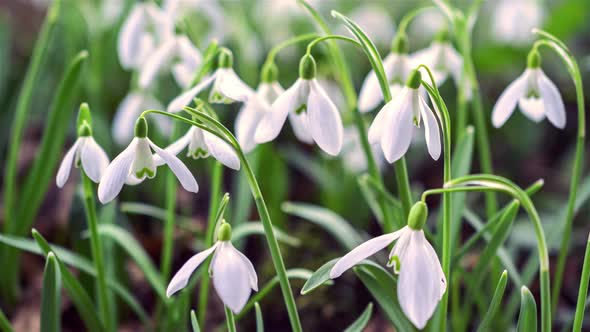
[(561, 49), (270, 58), (583, 291), (329, 37), (405, 21), (97, 253), (271, 239)]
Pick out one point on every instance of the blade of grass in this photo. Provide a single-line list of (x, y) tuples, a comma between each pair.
[(583, 291), (495, 304), (259, 320), (51, 296), (527, 319), (4, 323), (194, 321), (361, 322)]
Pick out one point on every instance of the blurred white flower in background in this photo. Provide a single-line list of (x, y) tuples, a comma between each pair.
[(426, 25), (209, 10), (129, 109), (353, 155), (375, 22), (512, 21)]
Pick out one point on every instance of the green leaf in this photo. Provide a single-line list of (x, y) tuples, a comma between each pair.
[(383, 287), (311, 167), (5, 323), (328, 220), (78, 262), (495, 304), (259, 320), (256, 228), (361, 322), (373, 192), (82, 301), (527, 319), (195, 322), (54, 134), (319, 277), (137, 253), (51, 296)]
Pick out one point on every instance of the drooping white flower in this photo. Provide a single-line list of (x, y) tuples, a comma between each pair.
[(85, 152), (535, 94), (257, 106), (129, 109), (512, 21), (226, 88), (233, 274), (146, 27), (443, 60), (393, 127), (177, 54), (312, 114), (421, 283), (137, 162), (201, 144), (353, 155), (397, 66)]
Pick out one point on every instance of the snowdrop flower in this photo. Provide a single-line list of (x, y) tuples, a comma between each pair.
[(227, 86), (512, 21), (353, 154), (85, 152), (233, 274), (127, 112), (136, 163), (442, 58), (176, 53), (143, 31), (312, 114), (257, 106), (375, 22), (421, 282), (393, 127), (536, 95), (397, 67)]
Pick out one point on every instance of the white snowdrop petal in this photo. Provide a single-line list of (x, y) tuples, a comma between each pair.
[(431, 130), (324, 122), (230, 278), (508, 100), (181, 278), (183, 74), (66, 165), (125, 116), (376, 128), (553, 104), (418, 288), (532, 108), (128, 43), (370, 95), (231, 86), (116, 174), (188, 52), (454, 62), (186, 178), (184, 99), (271, 124), (161, 57), (247, 121), (94, 159), (398, 130), (175, 147), (363, 251), (439, 276), (252, 277), (221, 151), (300, 125)]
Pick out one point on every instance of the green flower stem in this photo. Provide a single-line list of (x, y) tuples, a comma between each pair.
[(330, 37), (561, 49), (214, 199), (270, 58), (97, 253), (273, 245), (582, 293), (504, 185), (10, 278), (230, 320)]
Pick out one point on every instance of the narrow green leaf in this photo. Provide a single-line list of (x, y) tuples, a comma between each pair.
[(495, 304), (319, 277), (328, 220), (137, 253), (311, 167), (383, 287), (194, 321), (82, 301), (54, 134), (256, 228), (373, 192), (361, 322), (51, 296), (527, 319), (5, 51), (78, 262), (5, 323), (259, 320)]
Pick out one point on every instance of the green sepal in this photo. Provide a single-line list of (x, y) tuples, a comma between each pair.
[(418, 215), (414, 79), (224, 232), (225, 59), (307, 67), (141, 127)]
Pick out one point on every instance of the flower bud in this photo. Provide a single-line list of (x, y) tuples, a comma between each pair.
[(141, 127), (270, 73), (224, 232), (225, 59), (418, 216), (307, 67), (399, 45), (534, 59), (414, 79)]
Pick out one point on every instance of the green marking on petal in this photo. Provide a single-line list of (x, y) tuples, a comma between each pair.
[(301, 109), (395, 262), (145, 172)]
